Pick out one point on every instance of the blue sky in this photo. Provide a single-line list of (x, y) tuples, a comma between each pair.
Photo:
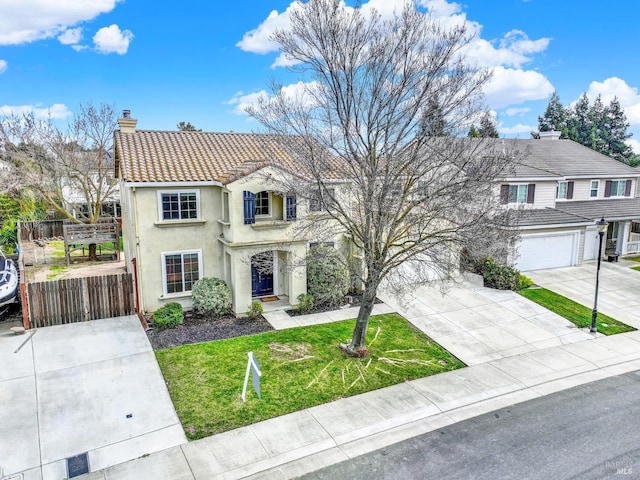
[(203, 61)]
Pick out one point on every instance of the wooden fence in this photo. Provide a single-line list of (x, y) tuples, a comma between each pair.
[(80, 299)]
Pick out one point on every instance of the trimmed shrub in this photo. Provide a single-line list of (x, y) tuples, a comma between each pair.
[(524, 282), (211, 295), (255, 310), (327, 276), (305, 302), (169, 316), (501, 277)]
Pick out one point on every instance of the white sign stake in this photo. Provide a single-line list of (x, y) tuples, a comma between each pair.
[(252, 366)]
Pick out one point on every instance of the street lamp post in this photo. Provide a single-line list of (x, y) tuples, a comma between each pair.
[(601, 226)]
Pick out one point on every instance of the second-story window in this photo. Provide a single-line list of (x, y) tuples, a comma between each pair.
[(595, 186), (564, 190), (617, 188), (262, 203), (179, 205), (517, 193)]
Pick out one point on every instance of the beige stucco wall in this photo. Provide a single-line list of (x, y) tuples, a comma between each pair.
[(150, 237)]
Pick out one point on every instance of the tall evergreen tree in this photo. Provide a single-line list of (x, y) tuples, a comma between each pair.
[(579, 121), (554, 118), (617, 126), (488, 127)]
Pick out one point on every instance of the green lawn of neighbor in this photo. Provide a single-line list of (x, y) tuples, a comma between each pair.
[(301, 367), (574, 312)]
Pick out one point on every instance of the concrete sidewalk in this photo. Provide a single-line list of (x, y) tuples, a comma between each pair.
[(516, 352), (301, 442)]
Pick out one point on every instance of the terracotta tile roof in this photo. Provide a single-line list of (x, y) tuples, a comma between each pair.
[(180, 156)]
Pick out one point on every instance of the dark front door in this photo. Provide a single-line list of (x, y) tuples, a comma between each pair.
[(262, 274)]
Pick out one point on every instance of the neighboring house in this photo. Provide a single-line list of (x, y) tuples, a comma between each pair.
[(566, 188), (75, 193), (199, 204)]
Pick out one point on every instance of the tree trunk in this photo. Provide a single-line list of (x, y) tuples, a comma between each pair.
[(357, 345), (93, 256)]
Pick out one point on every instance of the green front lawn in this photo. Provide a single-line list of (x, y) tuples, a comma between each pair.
[(634, 259), (635, 268), (574, 312), (301, 367)]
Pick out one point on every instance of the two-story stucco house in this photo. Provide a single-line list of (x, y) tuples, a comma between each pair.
[(565, 188), (200, 204)]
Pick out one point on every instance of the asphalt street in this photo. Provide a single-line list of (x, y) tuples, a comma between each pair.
[(588, 432)]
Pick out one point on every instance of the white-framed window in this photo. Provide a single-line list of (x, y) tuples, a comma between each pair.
[(594, 188), (179, 205), (518, 193), (180, 270), (262, 203), (561, 190), (618, 188), (225, 206)]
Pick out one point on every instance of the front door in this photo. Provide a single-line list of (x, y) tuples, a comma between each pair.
[(612, 238), (262, 274)]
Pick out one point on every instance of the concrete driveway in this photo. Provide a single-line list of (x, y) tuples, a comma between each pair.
[(86, 387), (479, 324), (619, 291)]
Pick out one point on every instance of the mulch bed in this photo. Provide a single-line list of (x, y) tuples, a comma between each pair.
[(202, 328), (355, 298)]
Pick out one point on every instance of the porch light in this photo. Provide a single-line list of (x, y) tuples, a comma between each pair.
[(601, 226)]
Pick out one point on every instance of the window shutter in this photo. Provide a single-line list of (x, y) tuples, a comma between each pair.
[(607, 188), (504, 194), (249, 207), (569, 190), (291, 206), (627, 189), (531, 192)]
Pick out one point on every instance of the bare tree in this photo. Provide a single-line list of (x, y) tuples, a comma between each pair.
[(373, 87), (72, 169)]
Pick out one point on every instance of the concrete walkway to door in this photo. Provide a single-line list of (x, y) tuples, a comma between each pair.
[(91, 387)]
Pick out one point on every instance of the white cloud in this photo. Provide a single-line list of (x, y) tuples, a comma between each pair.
[(519, 128), (513, 86), (300, 92), (30, 20), (627, 96), (112, 40), (512, 112), (71, 36), (3, 66), (243, 101), (259, 40), (57, 111), (514, 49), (634, 144)]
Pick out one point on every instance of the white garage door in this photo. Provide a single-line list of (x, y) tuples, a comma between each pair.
[(538, 251)]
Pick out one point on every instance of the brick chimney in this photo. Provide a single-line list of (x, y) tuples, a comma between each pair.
[(552, 135), (127, 124)]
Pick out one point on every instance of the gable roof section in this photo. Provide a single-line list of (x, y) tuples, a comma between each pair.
[(568, 159), (180, 156)]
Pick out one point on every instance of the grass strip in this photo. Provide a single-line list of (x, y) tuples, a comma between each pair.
[(301, 367), (576, 313)]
